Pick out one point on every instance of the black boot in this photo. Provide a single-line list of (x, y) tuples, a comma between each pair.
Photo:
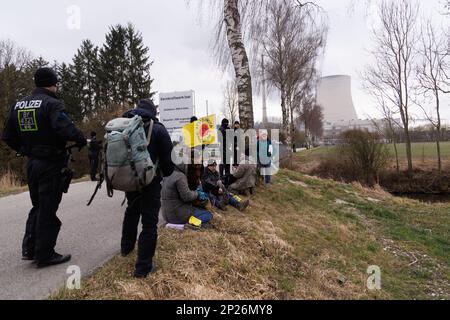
[(28, 257), (140, 274), (244, 205), (54, 260)]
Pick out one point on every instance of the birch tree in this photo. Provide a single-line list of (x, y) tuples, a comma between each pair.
[(237, 31)]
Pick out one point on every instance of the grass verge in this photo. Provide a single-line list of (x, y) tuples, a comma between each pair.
[(302, 238)]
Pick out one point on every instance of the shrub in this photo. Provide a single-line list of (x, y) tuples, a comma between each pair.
[(360, 157), (366, 154)]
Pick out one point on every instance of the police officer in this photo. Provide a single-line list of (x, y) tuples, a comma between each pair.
[(38, 127), (145, 205), (94, 152)]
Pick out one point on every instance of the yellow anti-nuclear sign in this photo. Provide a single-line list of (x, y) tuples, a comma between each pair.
[(201, 132)]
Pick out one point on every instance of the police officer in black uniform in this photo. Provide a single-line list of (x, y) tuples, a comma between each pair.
[(94, 153), (39, 128)]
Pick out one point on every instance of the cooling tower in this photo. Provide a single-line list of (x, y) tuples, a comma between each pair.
[(334, 94)]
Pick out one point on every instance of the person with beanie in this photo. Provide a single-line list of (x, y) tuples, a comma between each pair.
[(94, 153), (225, 166), (39, 128), (145, 205)]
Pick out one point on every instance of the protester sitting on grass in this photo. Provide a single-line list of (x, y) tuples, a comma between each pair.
[(218, 194), (194, 176), (243, 178), (177, 199)]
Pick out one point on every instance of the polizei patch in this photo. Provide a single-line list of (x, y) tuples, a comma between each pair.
[(33, 104), (27, 120)]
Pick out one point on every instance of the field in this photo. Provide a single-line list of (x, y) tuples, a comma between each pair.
[(423, 150), (419, 150), (424, 156), (302, 238)]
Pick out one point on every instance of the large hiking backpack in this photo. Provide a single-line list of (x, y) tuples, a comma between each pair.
[(128, 165)]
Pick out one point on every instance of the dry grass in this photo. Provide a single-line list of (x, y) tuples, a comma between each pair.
[(297, 241), (10, 183)]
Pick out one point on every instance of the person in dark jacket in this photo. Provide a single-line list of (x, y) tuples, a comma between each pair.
[(94, 153), (225, 167), (236, 127), (146, 205), (39, 128), (218, 194)]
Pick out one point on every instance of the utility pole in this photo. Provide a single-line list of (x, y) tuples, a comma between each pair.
[(207, 108), (264, 93)]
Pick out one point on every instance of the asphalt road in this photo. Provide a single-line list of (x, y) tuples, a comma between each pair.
[(90, 234)]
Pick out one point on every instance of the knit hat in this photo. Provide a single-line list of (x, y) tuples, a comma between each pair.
[(147, 104), (45, 78)]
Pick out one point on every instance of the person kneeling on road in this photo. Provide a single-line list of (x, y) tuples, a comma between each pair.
[(218, 194), (178, 198)]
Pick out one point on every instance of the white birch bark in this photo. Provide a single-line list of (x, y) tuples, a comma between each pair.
[(240, 61)]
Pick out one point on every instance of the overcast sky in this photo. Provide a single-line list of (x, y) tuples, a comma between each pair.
[(180, 41)]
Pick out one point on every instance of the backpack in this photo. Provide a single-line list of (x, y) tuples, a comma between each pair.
[(128, 165)]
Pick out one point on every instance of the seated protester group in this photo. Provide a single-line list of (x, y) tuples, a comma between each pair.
[(218, 193), (178, 199), (243, 178)]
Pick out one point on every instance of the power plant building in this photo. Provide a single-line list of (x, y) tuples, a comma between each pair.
[(334, 95)]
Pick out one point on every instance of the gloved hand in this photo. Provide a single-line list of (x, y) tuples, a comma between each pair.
[(81, 144), (202, 196)]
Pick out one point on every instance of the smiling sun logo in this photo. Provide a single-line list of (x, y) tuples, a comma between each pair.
[(201, 132)]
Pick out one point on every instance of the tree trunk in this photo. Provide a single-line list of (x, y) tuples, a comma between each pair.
[(285, 130), (439, 132), (396, 156), (292, 127), (394, 139), (405, 119), (240, 61), (409, 153)]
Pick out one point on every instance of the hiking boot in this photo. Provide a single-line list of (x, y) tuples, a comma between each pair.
[(244, 205), (28, 255), (56, 259), (126, 252), (142, 275), (191, 227), (222, 207)]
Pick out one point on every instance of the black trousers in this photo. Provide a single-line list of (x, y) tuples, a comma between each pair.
[(93, 160), (42, 228), (145, 205)]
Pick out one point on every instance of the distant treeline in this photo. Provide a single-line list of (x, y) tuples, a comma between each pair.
[(97, 82)]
